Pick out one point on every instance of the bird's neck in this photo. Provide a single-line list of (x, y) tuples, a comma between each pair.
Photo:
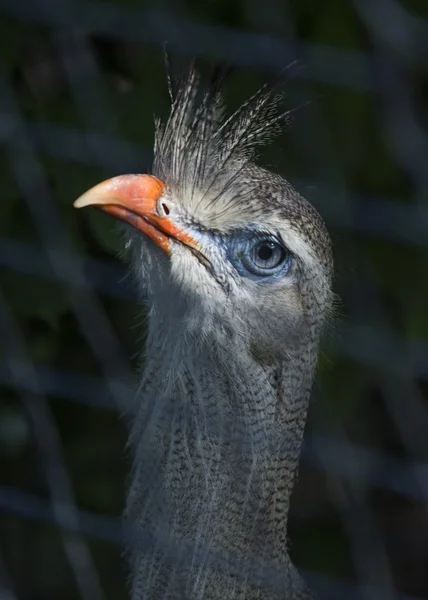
[(217, 442)]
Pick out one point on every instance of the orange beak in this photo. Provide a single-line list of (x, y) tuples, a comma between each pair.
[(135, 200)]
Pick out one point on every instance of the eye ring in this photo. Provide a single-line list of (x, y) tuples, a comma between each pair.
[(267, 254), (266, 257), (258, 255)]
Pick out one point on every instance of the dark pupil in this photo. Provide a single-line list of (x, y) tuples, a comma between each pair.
[(265, 252)]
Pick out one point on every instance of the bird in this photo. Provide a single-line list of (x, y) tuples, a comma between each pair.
[(236, 270)]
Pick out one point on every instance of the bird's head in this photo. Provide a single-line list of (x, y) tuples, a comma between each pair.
[(219, 243)]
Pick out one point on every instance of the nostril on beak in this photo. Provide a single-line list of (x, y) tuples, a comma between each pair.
[(164, 207)]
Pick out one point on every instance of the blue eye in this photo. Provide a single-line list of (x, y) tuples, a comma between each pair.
[(263, 257)]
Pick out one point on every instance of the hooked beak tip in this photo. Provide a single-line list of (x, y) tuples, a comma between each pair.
[(123, 190), (134, 200), (85, 199)]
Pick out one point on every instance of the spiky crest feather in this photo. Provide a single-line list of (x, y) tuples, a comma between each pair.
[(197, 147)]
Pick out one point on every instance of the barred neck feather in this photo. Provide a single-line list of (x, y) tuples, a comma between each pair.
[(216, 441), (228, 368)]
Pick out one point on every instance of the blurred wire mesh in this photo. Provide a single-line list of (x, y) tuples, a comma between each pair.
[(79, 82)]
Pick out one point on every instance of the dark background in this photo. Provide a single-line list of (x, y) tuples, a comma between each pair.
[(79, 84)]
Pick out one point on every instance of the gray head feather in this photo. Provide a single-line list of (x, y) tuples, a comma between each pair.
[(229, 360), (198, 145)]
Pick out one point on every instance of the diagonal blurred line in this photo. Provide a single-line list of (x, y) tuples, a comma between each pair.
[(383, 355), (374, 346), (370, 215), (83, 147), (412, 426), (200, 39), (85, 79), (349, 461), (88, 523), (351, 497), (379, 347), (7, 591), (341, 459), (69, 385), (338, 589), (403, 129), (105, 277), (371, 562), (86, 82), (405, 402), (375, 217), (110, 530), (59, 247), (390, 22), (49, 447), (362, 528)]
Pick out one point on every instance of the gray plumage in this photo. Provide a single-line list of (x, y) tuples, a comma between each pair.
[(228, 364)]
